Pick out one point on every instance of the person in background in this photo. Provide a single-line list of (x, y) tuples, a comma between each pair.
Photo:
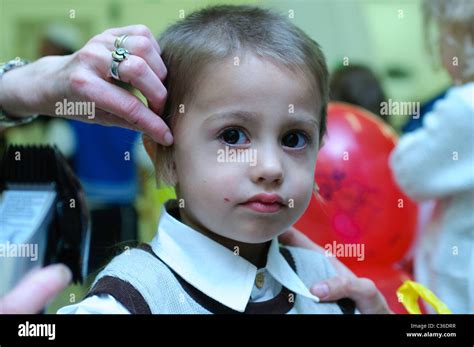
[(436, 162), (105, 163), (414, 123), (357, 85)]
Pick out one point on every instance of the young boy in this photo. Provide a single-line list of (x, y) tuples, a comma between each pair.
[(247, 107)]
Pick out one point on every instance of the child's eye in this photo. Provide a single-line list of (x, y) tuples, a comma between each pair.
[(295, 139), (234, 136)]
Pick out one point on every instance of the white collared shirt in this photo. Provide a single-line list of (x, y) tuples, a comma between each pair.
[(211, 268)]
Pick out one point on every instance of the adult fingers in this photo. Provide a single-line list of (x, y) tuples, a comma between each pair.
[(136, 29), (138, 73), (36, 290), (140, 46), (363, 291), (121, 103)]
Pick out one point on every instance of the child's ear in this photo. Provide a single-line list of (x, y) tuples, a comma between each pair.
[(163, 161)]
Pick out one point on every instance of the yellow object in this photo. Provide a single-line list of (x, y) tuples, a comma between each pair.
[(410, 291)]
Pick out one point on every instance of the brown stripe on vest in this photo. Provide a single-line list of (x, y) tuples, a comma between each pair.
[(123, 292)]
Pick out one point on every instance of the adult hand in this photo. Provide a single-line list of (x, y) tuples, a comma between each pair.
[(36, 290), (85, 77), (346, 284)]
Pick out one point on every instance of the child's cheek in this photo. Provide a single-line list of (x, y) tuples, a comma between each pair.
[(224, 183), (302, 189), (213, 179)]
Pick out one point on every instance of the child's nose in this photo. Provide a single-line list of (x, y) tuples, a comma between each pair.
[(268, 168)]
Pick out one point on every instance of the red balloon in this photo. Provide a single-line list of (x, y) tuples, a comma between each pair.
[(387, 279), (360, 205)]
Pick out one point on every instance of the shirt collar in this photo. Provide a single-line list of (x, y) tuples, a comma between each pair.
[(229, 280)]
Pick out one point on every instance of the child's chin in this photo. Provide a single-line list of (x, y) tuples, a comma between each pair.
[(258, 236)]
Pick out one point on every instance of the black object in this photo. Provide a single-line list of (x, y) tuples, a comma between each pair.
[(36, 168)]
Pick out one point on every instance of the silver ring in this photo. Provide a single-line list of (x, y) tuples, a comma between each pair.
[(120, 41), (119, 55), (114, 70)]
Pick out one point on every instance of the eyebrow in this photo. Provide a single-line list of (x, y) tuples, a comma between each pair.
[(244, 116), (248, 117)]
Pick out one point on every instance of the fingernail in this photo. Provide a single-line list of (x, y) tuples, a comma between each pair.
[(62, 272), (320, 290), (168, 138)]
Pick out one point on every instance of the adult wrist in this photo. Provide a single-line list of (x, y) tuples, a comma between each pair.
[(8, 118), (33, 88)]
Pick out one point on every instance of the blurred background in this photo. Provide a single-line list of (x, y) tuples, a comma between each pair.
[(385, 35), (380, 42)]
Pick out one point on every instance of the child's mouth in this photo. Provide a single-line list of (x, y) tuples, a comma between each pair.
[(264, 203)]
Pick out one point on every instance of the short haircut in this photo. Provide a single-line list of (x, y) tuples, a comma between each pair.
[(223, 32)]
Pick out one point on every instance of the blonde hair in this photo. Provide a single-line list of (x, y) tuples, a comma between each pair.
[(457, 14), (222, 32)]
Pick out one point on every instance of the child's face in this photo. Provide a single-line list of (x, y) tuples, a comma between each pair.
[(271, 112)]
